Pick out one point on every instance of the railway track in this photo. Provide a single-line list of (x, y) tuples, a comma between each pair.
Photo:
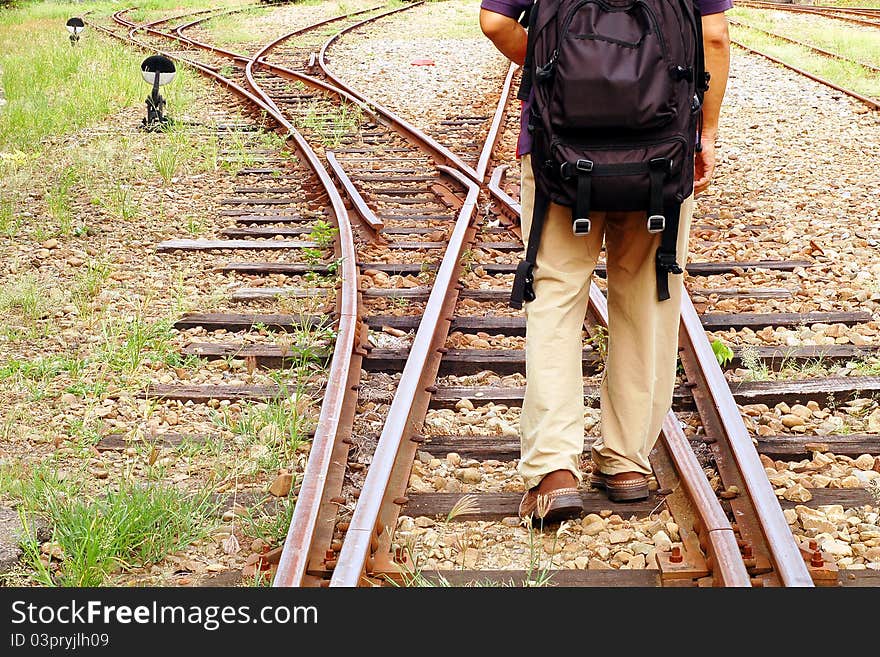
[(869, 69), (343, 528), (858, 16)]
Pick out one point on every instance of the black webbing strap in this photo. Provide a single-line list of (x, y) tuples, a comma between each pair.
[(581, 210), (666, 253), (701, 75), (523, 281), (525, 83), (657, 171)]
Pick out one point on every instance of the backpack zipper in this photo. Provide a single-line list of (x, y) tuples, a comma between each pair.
[(570, 17), (656, 23), (611, 147)]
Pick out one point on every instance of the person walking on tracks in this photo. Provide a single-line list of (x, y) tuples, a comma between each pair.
[(618, 132)]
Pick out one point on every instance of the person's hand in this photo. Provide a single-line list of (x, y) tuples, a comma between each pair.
[(704, 164)]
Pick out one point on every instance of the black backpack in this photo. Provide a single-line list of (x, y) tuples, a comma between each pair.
[(618, 92)]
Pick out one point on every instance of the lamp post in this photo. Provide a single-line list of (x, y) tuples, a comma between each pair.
[(75, 26), (157, 71)]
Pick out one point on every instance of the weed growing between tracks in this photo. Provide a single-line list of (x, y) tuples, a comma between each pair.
[(538, 574)]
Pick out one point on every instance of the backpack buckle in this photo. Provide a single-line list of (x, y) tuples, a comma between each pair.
[(581, 226), (585, 166), (656, 223)]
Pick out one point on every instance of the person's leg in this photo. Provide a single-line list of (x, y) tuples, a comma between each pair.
[(552, 420), (642, 346)]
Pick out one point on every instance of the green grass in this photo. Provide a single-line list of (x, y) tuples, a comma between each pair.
[(53, 89), (126, 528), (88, 283), (269, 524), (829, 34), (127, 344), (323, 233), (10, 222), (723, 353), (232, 29), (330, 124), (24, 301), (846, 74), (275, 430), (849, 3), (58, 198)]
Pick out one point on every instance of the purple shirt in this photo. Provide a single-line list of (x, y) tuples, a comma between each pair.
[(515, 8)]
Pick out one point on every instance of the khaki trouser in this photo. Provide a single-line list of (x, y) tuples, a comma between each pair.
[(636, 391)]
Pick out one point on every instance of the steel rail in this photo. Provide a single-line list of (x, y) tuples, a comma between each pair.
[(821, 51), (353, 557), (179, 30), (728, 562), (292, 570), (846, 16), (494, 185), (500, 113), (729, 569), (275, 68), (870, 102), (294, 559), (364, 529), (437, 150), (788, 562), (366, 524), (311, 81)]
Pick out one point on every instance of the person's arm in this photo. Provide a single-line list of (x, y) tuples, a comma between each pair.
[(716, 44), (506, 33)]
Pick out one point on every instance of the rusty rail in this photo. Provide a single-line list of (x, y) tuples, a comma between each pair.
[(373, 514), (494, 186), (870, 102), (375, 511), (841, 13), (431, 146), (294, 75), (722, 545), (338, 398), (495, 129), (787, 561), (360, 205), (821, 51)]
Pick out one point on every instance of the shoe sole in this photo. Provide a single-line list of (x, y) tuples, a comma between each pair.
[(564, 507), (616, 494)]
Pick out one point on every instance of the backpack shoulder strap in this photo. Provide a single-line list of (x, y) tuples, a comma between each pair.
[(525, 85), (666, 260), (523, 281)]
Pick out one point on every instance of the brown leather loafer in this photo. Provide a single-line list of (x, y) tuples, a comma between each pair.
[(555, 506), (621, 487)]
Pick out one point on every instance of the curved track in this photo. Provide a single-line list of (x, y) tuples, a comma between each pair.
[(370, 150)]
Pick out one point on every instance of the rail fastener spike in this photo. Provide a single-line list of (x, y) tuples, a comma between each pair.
[(676, 556)]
